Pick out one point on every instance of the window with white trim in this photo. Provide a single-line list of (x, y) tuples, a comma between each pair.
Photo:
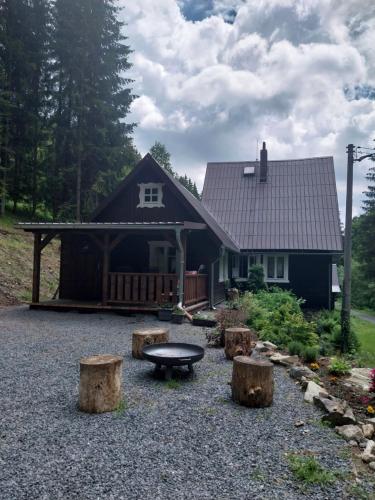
[(276, 268), (223, 268), (150, 195)]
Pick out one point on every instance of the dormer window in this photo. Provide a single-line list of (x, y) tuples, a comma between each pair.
[(150, 195)]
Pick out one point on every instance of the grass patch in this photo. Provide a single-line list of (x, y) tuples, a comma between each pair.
[(121, 408), (366, 335), (173, 384), (309, 471)]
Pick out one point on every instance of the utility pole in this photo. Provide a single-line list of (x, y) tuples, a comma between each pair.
[(346, 299), (345, 312)]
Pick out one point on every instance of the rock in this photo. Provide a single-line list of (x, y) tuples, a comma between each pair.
[(284, 360), (304, 383), (299, 423), (314, 390), (350, 432), (352, 442), (260, 347), (363, 443), (338, 411), (368, 455), (297, 372), (368, 430), (372, 465), (270, 345), (371, 421), (360, 377)]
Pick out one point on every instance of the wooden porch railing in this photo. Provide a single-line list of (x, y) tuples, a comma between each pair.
[(142, 288), (196, 288)]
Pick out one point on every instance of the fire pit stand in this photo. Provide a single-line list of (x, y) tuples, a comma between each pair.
[(173, 354)]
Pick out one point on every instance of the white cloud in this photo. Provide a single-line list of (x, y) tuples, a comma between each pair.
[(279, 73)]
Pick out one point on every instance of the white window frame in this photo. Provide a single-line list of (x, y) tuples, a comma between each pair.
[(142, 195), (285, 256), (165, 245), (223, 268)]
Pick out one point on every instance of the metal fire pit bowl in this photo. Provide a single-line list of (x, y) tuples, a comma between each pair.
[(173, 354)]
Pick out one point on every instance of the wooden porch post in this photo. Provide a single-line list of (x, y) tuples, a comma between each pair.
[(36, 267), (106, 254), (181, 242)]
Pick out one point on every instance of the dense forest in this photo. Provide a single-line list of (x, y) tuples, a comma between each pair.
[(65, 141), (363, 278)]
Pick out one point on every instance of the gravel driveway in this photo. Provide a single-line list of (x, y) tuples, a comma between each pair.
[(187, 442)]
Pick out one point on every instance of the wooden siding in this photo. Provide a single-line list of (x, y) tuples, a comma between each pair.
[(195, 288), (310, 278), (123, 208), (80, 268), (219, 287)]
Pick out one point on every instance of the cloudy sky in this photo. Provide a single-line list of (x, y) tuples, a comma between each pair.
[(213, 76)]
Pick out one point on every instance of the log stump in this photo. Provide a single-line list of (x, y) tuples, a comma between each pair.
[(239, 342), (252, 382), (100, 386), (233, 294), (147, 337)]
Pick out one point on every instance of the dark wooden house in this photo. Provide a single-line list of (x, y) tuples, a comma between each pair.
[(151, 242)]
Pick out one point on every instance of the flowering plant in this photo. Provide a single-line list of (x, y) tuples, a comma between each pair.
[(370, 410), (372, 377), (314, 366)]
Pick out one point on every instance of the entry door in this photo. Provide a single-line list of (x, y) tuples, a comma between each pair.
[(162, 257)]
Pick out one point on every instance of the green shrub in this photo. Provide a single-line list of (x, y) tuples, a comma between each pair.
[(277, 316), (339, 366), (255, 281), (310, 354), (295, 348), (328, 327)]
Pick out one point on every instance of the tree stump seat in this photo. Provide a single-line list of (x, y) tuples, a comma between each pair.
[(146, 337), (100, 386), (239, 341), (252, 381)]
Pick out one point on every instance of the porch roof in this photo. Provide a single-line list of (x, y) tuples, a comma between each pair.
[(107, 226)]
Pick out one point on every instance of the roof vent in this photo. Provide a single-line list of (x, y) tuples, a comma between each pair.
[(249, 170), (263, 164)]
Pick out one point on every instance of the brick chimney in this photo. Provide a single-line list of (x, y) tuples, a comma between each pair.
[(263, 164)]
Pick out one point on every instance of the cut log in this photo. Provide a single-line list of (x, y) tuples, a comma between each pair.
[(239, 342), (233, 294), (100, 387), (146, 337), (252, 381)]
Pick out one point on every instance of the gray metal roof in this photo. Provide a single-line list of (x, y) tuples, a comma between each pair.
[(220, 231), (296, 209), (32, 226)]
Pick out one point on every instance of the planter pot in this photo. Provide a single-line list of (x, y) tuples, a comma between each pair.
[(165, 314), (204, 322), (177, 319)]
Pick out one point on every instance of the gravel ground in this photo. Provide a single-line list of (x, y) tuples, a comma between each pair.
[(187, 442)]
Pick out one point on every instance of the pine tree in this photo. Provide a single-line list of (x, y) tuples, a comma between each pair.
[(92, 98), (160, 153), (23, 56)]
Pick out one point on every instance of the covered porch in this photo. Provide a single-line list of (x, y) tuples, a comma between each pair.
[(125, 266)]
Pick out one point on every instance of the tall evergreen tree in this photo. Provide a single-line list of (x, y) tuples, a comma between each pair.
[(92, 97), (160, 153), (23, 58), (363, 282)]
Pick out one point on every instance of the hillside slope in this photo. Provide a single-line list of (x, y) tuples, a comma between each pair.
[(16, 265)]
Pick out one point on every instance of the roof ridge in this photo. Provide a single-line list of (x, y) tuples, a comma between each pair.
[(269, 161)]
